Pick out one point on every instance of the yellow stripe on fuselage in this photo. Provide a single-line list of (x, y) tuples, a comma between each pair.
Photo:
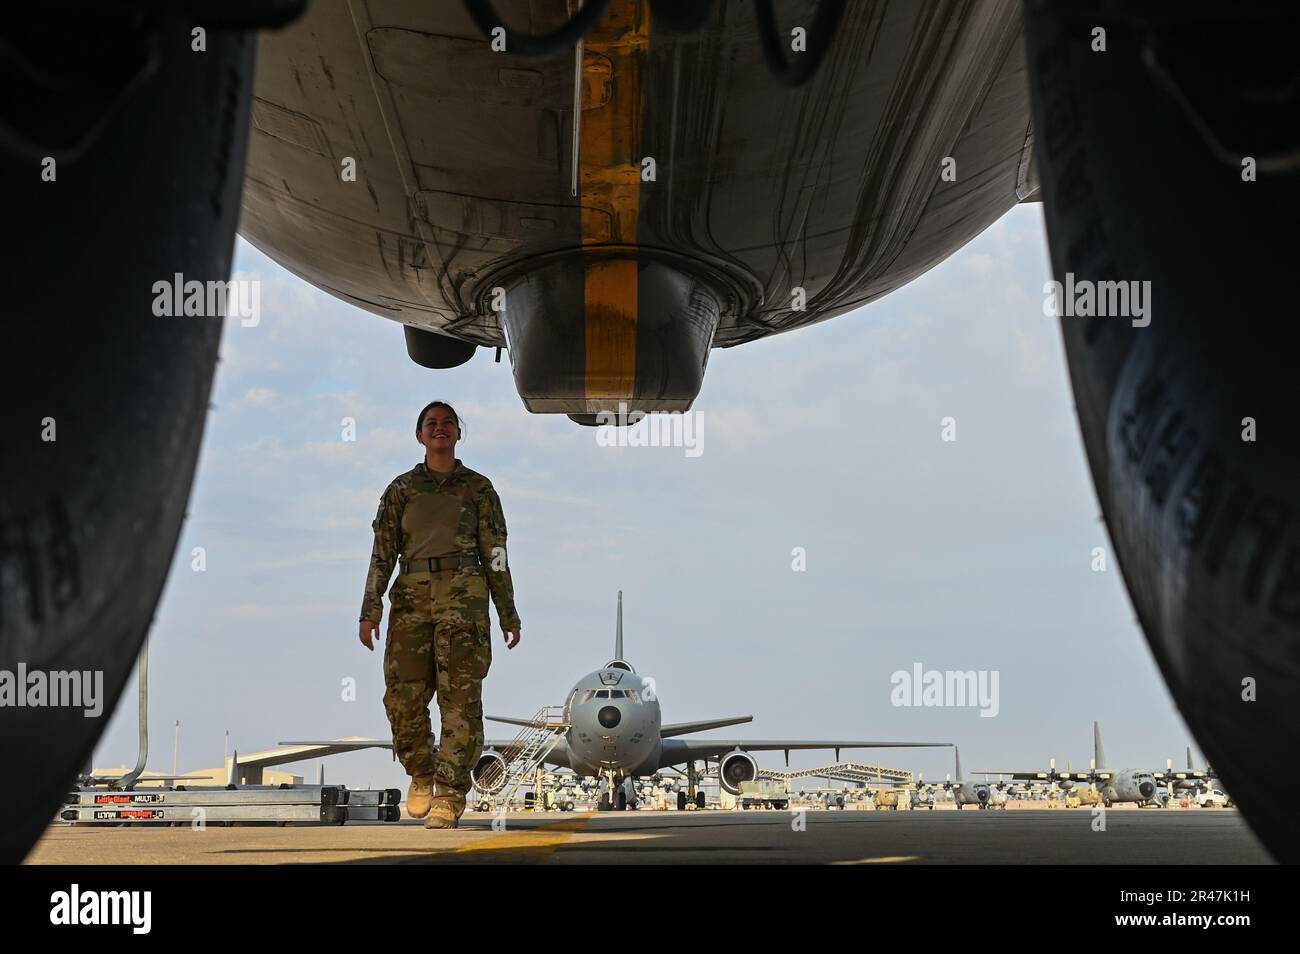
[(609, 168)]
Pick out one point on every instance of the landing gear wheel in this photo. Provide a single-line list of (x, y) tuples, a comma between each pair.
[(699, 800), (1188, 420), (603, 804), (681, 801), (90, 520)]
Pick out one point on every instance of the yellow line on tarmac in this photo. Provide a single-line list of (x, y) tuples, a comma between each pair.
[(544, 839), (886, 860)]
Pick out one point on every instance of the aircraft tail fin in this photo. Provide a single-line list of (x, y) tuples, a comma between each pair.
[(1096, 746), (618, 629)]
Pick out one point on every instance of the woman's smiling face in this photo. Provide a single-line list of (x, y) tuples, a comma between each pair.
[(439, 430)]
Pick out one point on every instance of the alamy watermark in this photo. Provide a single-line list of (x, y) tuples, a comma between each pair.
[(665, 429), (1088, 299), (132, 909), (237, 298), (946, 688), (56, 688)]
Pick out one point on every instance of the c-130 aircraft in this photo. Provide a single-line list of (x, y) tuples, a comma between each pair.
[(615, 730)]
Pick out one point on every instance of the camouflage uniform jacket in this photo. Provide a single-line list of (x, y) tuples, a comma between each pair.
[(462, 510)]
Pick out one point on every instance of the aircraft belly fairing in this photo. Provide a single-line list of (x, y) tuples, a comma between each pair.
[(708, 197)]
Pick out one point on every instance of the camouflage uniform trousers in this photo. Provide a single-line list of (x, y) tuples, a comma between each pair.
[(439, 643)]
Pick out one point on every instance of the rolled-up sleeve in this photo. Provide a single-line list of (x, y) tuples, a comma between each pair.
[(388, 540), (492, 551)]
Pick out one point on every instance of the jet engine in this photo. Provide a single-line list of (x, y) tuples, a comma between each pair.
[(736, 767), (489, 772)]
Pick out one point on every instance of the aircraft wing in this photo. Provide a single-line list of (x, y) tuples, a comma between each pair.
[(1180, 775), (510, 720), (559, 755), (310, 750), (686, 728), (352, 745), (676, 751)]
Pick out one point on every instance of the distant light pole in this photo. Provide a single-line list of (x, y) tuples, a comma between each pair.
[(176, 749)]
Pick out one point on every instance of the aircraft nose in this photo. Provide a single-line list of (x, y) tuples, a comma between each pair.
[(609, 716), (1147, 789)]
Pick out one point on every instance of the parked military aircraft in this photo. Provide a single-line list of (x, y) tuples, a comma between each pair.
[(613, 729), (1119, 785), (1189, 780), (965, 791)]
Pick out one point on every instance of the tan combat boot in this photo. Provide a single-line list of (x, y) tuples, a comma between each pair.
[(443, 812), (418, 795)]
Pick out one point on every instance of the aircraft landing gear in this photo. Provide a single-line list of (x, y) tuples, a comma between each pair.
[(85, 349), (1201, 515)]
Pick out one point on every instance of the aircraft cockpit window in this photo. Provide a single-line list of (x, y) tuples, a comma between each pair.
[(632, 694), (585, 696)]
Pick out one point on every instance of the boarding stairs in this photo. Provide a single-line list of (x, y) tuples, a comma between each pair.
[(524, 754)]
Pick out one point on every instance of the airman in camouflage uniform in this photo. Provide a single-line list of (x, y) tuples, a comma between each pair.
[(448, 533)]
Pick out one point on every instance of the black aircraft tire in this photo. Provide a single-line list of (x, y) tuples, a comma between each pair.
[(89, 521), (1204, 523)]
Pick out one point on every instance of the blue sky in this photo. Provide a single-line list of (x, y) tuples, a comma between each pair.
[(973, 554)]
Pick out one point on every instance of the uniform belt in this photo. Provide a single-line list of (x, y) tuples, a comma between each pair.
[(434, 564)]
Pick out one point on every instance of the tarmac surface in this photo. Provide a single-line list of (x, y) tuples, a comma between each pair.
[(1213, 836)]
